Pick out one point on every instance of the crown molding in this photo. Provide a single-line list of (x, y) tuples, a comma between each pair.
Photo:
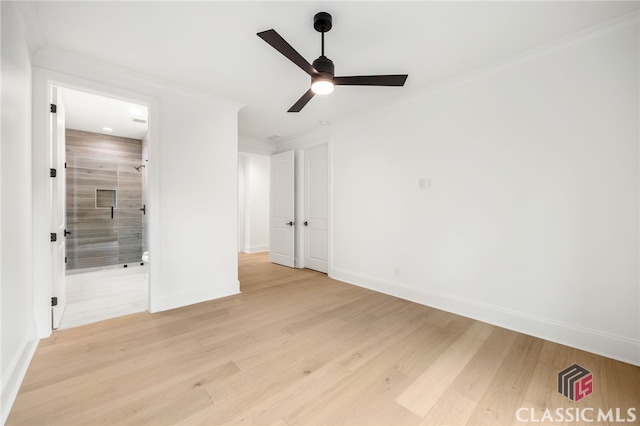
[(623, 21), (27, 14), (60, 60), (253, 145)]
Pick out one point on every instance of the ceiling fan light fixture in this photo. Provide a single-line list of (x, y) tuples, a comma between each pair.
[(322, 71), (322, 86)]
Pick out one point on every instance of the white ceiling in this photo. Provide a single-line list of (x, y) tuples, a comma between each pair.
[(213, 47), (94, 113)]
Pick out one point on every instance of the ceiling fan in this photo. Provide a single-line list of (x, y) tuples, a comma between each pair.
[(322, 75)]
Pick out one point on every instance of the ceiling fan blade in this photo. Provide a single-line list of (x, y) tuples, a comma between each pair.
[(278, 43), (371, 80), (297, 107)]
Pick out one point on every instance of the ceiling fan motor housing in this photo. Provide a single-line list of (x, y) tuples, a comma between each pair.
[(322, 22), (324, 66)]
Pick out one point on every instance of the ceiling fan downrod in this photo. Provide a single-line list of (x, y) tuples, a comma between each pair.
[(322, 22), (321, 72)]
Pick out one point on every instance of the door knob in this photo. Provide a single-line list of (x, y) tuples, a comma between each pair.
[(290, 223), (306, 223)]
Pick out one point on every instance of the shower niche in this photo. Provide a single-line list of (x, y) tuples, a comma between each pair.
[(104, 200)]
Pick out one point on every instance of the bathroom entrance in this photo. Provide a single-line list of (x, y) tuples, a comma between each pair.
[(105, 203), (105, 176)]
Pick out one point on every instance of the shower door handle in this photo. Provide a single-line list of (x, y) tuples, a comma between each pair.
[(143, 209), (111, 212)]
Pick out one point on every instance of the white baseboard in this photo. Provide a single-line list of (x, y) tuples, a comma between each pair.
[(256, 249), (13, 377), (178, 299), (611, 346)]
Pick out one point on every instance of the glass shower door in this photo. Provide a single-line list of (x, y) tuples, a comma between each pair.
[(129, 213), (104, 201), (92, 201)]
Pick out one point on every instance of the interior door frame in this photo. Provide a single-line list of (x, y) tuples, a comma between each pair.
[(58, 189), (42, 81), (278, 223), (300, 202)]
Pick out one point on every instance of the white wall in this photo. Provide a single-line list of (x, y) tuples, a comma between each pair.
[(192, 173), (17, 330), (532, 218), (255, 177), (198, 199)]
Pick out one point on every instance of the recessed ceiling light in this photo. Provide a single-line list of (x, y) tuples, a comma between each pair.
[(135, 111), (107, 129)]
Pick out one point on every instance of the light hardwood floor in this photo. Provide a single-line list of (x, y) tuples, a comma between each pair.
[(297, 348)]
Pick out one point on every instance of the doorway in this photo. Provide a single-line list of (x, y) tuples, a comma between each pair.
[(104, 201), (300, 206), (316, 208)]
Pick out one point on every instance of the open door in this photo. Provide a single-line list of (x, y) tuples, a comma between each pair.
[(316, 208), (58, 213), (282, 220)]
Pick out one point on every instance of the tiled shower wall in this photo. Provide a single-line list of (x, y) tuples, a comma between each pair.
[(102, 235)]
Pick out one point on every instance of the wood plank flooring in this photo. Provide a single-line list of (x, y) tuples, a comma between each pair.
[(298, 348)]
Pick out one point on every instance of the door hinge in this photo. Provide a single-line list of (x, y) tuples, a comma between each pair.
[(54, 237), (53, 173), (66, 260), (54, 108), (54, 301)]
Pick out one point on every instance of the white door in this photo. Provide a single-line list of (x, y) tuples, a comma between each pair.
[(58, 210), (282, 225), (316, 208)]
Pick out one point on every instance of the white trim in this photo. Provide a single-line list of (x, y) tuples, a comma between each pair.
[(517, 59), (43, 79), (255, 146), (45, 57), (468, 77), (179, 299), (28, 15), (305, 140), (300, 146), (608, 345), (256, 249), (300, 211), (330, 207), (15, 373)]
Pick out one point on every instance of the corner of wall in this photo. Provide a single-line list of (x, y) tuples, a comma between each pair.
[(205, 293), (13, 377)]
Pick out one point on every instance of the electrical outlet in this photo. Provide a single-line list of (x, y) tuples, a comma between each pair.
[(424, 183), (396, 271)]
